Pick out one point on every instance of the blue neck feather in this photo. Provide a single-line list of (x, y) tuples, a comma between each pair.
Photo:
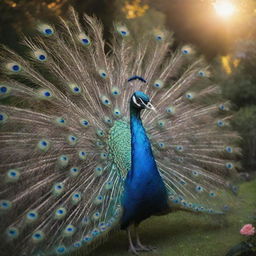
[(145, 193), (143, 162)]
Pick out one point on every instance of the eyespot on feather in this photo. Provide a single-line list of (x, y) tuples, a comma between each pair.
[(72, 140), (40, 55), (74, 171), (44, 94), (61, 249), (60, 213), (189, 95), (60, 121), (63, 160), (75, 89), (45, 29), (122, 30), (158, 35), (69, 230), (58, 188), (5, 205), (12, 232), (187, 50), (84, 123), (117, 113), (158, 84), (170, 110), (43, 145), (13, 67), (5, 90), (31, 216), (82, 154), (115, 91), (12, 176), (38, 236), (3, 118), (105, 100), (84, 39), (76, 197), (203, 73), (103, 73)]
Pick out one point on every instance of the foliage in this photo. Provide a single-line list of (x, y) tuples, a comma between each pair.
[(240, 88), (245, 123)]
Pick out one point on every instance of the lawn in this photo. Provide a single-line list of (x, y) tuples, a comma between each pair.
[(185, 234)]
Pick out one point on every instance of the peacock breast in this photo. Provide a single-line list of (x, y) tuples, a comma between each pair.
[(119, 142)]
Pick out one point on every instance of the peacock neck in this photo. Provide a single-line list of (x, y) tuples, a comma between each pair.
[(142, 159)]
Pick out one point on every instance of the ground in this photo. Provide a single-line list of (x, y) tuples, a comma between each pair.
[(185, 234)]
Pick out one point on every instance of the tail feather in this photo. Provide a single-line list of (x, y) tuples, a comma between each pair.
[(65, 136)]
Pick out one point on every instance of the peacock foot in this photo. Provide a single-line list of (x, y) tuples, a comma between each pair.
[(133, 250), (144, 248), (138, 247)]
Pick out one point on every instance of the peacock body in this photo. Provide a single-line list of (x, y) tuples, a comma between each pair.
[(145, 193), (80, 156)]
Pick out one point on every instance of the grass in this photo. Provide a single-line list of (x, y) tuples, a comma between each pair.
[(186, 234)]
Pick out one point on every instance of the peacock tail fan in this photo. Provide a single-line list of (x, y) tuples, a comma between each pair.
[(65, 133)]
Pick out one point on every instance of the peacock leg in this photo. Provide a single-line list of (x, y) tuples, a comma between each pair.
[(139, 246), (132, 248)]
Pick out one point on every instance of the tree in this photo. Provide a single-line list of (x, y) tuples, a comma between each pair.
[(240, 88)]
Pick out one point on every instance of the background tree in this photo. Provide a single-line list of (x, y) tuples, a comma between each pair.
[(240, 88)]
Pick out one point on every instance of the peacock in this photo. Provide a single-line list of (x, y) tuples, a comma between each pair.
[(95, 140)]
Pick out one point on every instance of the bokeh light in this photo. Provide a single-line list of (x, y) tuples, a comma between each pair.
[(224, 8)]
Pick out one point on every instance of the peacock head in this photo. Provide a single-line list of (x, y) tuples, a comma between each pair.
[(140, 100)]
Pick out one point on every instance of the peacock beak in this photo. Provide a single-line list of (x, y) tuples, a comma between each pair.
[(150, 106)]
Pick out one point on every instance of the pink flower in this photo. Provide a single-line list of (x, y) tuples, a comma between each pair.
[(247, 230)]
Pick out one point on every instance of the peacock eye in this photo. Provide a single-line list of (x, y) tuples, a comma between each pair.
[(13, 67), (46, 30), (115, 91), (159, 35), (229, 149), (40, 55), (158, 84), (117, 112), (143, 102), (60, 250), (103, 73), (186, 50), (38, 236), (5, 91), (84, 39), (75, 89), (122, 30), (12, 232), (135, 101), (201, 73)]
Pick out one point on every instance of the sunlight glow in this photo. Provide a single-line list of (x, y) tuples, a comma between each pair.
[(224, 8)]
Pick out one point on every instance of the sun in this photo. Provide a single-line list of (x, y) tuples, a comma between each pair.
[(224, 8)]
